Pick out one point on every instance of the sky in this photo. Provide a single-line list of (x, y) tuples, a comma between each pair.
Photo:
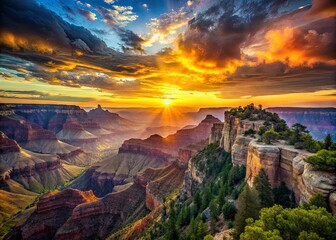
[(147, 53)]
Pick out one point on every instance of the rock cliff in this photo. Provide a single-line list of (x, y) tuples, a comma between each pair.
[(115, 171), (53, 209), (99, 218), (280, 161), (160, 182), (168, 147), (34, 138), (233, 127)]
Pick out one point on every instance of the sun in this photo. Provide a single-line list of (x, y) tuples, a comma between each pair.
[(166, 102)]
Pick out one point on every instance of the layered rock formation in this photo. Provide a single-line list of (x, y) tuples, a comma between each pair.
[(34, 171), (71, 124), (111, 121), (53, 209), (234, 126), (118, 170), (160, 182), (216, 132), (36, 139), (168, 147), (280, 161), (284, 163), (99, 218)]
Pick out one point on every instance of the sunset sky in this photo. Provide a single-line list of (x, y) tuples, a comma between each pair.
[(145, 53)]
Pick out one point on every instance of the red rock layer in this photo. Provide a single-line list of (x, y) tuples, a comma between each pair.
[(7, 145), (157, 146), (21, 131), (97, 219), (52, 211)]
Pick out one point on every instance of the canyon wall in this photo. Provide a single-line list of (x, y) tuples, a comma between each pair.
[(319, 121), (34, 171), (280, 161)]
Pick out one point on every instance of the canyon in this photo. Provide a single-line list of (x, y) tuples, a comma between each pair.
[(141, 172)]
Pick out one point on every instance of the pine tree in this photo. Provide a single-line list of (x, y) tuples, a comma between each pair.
[(263, 186), (171, 231), (328, 142), (248, 207), (198, 200), (283, 196)]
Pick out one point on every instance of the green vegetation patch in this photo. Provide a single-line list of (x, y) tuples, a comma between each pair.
[(323, 160)]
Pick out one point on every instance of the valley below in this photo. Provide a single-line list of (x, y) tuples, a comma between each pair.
[(70, 173)]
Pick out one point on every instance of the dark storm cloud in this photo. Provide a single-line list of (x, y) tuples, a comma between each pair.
[(132, 42), (99, 31), (218, 34), (36, 24), (38, 68), (68, 9), (278, 78)]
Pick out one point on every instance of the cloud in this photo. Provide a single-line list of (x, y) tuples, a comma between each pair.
[(29, 26), (132, 42), (277, 78), (109, 1), (6, 76), (164, 28), (214, 38), (145, 5), (116, 19), (99, 31), (90, 16), (308, 44), (37, 95), (68, 9), (118, 16)]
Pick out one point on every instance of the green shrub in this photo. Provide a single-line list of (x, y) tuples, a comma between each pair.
[(269, 136), (249, 132), (229, 211), (323, 160)]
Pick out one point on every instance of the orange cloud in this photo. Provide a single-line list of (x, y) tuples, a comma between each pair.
[(298, 47), (12, 41)]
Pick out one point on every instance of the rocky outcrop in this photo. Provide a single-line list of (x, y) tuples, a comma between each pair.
[(332, 202), (239, 150), (48, 116), (160, 182), (95, 129), (280, 161), (216, 132), (21, 131), (73, 131), (151, 147), (262, 156), (53, 209), (33, 170), (185, 154), (234, 126), (284, 163), (169, 146), (99, 218), (118, 170), (111, 121)]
